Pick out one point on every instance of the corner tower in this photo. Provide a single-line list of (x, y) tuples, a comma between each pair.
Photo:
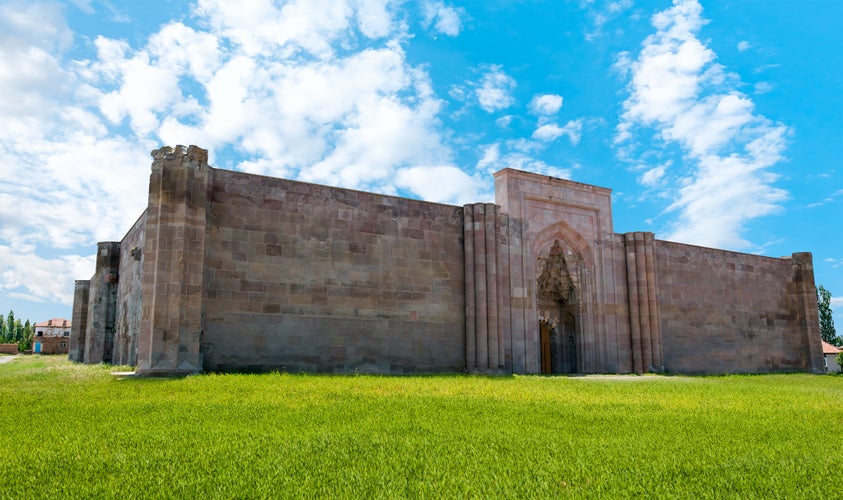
[(173, 318)]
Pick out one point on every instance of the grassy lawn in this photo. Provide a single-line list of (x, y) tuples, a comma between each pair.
[(76, 431)]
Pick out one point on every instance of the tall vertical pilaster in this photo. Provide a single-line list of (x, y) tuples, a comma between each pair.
[(805, 292), (486, 336), (102, 308), (79, 321), (470, 291), (173, 318), (642, 290)]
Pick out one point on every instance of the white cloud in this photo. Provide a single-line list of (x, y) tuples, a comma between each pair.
[(677, 89), (493, 160), (495, 90), (602, 12), (653, 176), (546, 104), (256, 77), (504, 121), (443, 18), (37, 278), (374, 18), (31, 77), (762, 88), (550, 132), (442, 184), (491, 155), (66, 181), (744, 45)]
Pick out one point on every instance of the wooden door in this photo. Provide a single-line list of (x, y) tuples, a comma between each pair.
[(544, 340)]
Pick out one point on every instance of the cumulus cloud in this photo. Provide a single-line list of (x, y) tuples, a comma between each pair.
[(678, 90), (257, 77), (602, 12), (546, 104), (65, 181), (550, 132), (442, 184), (442, 18), (496, 157), (494, 91), (653, 176)]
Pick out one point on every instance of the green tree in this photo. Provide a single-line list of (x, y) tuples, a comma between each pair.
[(840, 360), (3, 335), (10, 327), (827, 331), (26, 335), (18, 331)]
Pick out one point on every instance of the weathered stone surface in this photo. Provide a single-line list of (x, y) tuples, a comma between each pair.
[(79, 321), (727, 312), (102, 305), (235, 272), (129, 297), (327, 279)]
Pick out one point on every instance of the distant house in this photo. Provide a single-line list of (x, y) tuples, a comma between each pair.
[(830, 357), (51, 337)]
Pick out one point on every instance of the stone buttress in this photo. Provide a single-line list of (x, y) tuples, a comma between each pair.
[(79, 321), (173, 272), (96, 344)]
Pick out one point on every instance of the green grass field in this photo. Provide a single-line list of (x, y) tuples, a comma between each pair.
[(69, 430)]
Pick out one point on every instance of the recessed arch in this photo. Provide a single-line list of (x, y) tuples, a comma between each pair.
[(569, 237)]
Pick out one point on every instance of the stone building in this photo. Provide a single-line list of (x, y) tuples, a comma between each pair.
[(51, 336), (228, 271)]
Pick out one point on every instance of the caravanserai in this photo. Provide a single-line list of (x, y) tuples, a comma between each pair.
[(228, 271)]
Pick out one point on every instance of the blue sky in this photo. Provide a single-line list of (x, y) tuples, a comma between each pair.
[(717, 123)]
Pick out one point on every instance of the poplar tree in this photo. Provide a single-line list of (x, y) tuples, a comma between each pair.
[(27, 332), (827, 331), (3, 336), (10, 327)]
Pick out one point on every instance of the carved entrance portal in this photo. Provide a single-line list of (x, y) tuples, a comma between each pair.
[(559, 310)]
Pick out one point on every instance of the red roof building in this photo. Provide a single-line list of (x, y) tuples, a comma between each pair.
[(830, 356), (51, 336)]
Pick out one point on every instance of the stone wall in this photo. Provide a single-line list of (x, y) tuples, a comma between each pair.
[(8, 348), (302, 277), (129, 299), (102, 305), (79, 321), (727, 312), (227, 271), (50, 345)]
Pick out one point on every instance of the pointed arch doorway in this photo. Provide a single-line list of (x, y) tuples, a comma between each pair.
[(559, 310)]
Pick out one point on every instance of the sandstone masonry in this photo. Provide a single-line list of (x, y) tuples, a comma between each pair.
[(227, 271)]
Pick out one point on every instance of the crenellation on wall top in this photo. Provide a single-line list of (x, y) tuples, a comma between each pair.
[(189, 157)]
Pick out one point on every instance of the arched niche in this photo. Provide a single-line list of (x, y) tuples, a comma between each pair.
[(559, 304)]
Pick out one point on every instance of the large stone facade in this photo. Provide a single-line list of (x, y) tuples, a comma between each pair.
[(227, 271)]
